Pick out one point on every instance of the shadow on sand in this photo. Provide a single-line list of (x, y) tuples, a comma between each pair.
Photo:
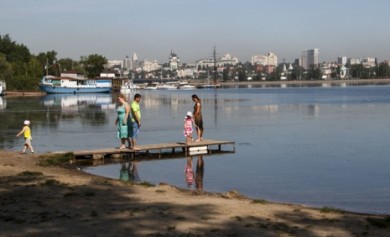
[(33, 204)]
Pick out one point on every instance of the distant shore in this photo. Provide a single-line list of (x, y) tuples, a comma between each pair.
[(24, 93), (306, 82), (235, 83)]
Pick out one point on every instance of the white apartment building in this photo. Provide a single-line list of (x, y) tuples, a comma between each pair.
[(226, 59), (113, 63), (342, 60), (149, 66), (369, 62), (353, 61), (269, 59), (185, 73), (310, 57), (127, 63)]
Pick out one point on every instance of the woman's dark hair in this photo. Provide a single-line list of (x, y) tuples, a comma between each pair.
[(194, 96)]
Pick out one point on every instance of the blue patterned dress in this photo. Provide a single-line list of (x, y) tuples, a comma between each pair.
[(123, 130)]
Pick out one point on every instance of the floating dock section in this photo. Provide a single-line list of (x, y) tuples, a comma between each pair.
[(195, 148)]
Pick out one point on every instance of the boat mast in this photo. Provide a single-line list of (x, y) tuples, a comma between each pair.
[(215, 66)]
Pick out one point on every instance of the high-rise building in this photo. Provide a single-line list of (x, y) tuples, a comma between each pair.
[(313, 56), (309, 57), (342, 60), (127, 63), (134, 60)]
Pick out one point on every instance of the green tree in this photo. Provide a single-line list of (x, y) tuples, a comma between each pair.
[(34, 68), (297, 73), (5, 69), (314, 73), (13, 51), (93, 65), (68, 64), (383, 70), (225, 73)]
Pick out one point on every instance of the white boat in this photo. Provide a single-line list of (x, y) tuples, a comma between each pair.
[(129, 87), (152, 86), (60, 85), (187, 87), (210, 86), (166, 87), (3, 103), (2, 88)]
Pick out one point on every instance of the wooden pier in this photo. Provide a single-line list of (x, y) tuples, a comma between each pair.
[(203, 147)]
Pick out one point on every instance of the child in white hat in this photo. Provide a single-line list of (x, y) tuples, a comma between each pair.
[(27, 137), (188, 122)]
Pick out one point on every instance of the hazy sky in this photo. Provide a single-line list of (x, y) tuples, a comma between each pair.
[(191, 28)]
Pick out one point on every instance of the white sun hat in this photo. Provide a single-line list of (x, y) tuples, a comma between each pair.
[(26, 122), (189, 113)]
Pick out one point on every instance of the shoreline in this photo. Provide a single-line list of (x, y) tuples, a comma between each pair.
[(307, 82), (41, 199), (24, 93), (238, 83)]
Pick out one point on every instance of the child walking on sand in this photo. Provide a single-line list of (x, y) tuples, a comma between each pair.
[(27, 137), (188, 122)]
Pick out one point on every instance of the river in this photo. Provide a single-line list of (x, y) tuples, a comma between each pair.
[(316, 146)]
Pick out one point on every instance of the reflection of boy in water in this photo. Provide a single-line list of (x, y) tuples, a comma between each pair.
[(199, 173), (189, 172), (129, 173)]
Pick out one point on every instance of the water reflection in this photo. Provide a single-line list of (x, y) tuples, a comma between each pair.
[(55, 119), (199, 173), (129, 172), (78, 101), (189, 174), (3, 103), (295, 84)]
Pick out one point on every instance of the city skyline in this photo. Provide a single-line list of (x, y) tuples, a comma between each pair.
[(191, 29)]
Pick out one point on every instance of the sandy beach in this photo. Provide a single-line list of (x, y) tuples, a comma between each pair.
[(41, 199)]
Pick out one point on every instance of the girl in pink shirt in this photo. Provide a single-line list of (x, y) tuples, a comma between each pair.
[(188, 122)]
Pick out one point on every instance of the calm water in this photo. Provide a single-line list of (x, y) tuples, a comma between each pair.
[(318, 146)]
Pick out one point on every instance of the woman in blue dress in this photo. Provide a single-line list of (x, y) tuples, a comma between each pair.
[(122, 121)]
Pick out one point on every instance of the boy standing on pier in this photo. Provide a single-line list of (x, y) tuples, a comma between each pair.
[(135, 120), (27, 137)]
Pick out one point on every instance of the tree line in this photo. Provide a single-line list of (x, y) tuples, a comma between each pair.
[(22, 70)]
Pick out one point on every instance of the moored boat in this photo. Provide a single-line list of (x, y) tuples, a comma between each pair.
[(166, 86), (54, 85), (210, 86), (151, 86), (2, 87), (187, 87), (129, 87)]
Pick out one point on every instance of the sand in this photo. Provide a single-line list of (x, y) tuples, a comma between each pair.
[(47, 201)]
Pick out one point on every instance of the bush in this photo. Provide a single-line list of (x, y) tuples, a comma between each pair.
[(23, 83)]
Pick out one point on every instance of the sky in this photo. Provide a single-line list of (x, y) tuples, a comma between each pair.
[(191, 28)]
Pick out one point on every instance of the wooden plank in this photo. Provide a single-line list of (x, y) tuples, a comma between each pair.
[(158, 147)]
